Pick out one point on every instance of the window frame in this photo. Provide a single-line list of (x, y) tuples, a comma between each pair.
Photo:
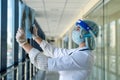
[(3, 39)]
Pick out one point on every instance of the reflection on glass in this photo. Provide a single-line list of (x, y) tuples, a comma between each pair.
[(74, 45), (10, 55), (99, 74), (105, 34), (112, 34), (119, 64), (99, 45), (9, 34), (118, 47), (112, 57), (112, 63), (99, 41), (107, 43), (112, 76)]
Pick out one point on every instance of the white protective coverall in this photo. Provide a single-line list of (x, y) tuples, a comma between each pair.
[(72, 64)]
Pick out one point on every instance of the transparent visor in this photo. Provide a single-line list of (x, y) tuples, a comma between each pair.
[(81, 24)]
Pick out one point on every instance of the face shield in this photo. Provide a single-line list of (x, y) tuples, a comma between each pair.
[(89, 32)]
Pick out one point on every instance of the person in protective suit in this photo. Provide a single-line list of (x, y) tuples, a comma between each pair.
[(72, 64)]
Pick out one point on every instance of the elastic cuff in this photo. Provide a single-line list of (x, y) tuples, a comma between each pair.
[(21, 44), (34, 37)]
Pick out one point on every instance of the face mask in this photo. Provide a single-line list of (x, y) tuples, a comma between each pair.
[(76, 37)]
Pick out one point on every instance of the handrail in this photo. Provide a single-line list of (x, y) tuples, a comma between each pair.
[(13, 68), (15, 64)]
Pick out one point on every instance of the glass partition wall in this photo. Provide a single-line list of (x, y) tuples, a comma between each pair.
[(107, 55)]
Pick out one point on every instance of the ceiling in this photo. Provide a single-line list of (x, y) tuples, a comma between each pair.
[(54, 16)]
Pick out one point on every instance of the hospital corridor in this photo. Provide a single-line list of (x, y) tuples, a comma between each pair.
[(59, 39)]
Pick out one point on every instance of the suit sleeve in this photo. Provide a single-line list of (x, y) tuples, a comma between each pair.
[(38, 59), (52, 51)]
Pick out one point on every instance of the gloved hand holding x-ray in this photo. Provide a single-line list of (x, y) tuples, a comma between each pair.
[(26, 19)]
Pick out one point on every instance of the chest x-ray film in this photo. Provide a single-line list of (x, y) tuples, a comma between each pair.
[(26, 19), (21, 14)]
